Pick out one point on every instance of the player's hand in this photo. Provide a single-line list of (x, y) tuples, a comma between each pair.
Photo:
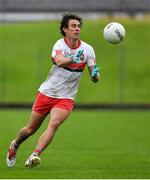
[(95, 71)]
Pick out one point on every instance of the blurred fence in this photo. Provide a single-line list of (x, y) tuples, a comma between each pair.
[(130, 6), (121, 91)]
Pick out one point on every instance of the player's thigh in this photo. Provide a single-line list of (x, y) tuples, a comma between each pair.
[(36, 120), (58, 115)]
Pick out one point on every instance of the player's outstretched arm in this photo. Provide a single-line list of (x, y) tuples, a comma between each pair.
[(94, 73)]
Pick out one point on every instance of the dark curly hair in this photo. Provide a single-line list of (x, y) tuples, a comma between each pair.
[(65, 20)]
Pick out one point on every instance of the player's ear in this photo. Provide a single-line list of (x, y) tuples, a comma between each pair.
[(65, 29)]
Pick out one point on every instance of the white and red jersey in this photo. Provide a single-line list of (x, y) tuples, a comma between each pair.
[(62, 82)]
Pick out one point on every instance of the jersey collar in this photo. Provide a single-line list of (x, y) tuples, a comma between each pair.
[(79, 43)]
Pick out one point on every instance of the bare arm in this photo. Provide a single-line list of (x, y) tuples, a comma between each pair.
[(62, 61)]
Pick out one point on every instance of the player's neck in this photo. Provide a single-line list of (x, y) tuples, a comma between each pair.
[(72, 43)]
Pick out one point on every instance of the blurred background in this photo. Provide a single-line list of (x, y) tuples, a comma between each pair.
[(90, 144), (29, 29)]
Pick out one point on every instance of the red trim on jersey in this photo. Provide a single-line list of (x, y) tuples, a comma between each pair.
[(74, 66), (53, 59), (77, 66), (79, 43)]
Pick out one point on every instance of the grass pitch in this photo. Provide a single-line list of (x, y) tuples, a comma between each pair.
[(89, 145), (25, 51)]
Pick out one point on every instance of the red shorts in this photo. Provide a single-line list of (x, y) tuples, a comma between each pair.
[(43, 104)]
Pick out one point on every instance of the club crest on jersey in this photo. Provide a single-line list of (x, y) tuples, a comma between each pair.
[(80, 55)]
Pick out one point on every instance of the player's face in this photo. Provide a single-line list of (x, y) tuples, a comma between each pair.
[(73, 29)]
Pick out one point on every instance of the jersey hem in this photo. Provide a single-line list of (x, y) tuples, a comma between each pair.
[(55, 96)]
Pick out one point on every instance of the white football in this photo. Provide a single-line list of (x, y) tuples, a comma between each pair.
[(114, 32)]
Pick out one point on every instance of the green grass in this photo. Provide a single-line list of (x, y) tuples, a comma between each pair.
[(89, 145), (24, 58)]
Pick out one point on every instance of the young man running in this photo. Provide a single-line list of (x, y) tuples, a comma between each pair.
[(56, 95)]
